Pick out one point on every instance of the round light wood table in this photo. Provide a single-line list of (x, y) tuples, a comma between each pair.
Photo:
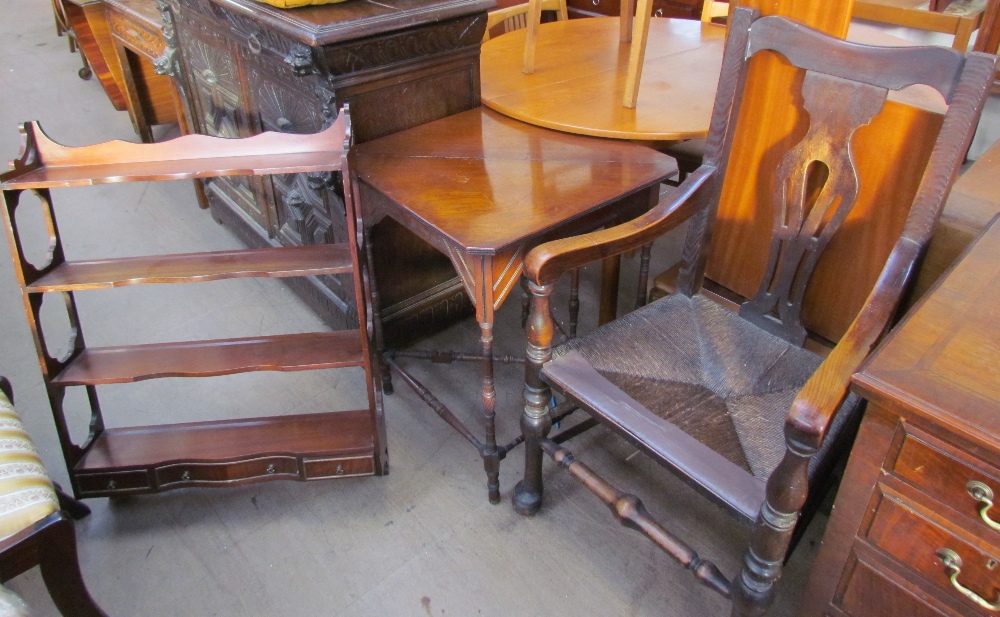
[(579, 79)]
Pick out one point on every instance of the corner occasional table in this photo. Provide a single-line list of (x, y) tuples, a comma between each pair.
[(484, 190), (913, 530)]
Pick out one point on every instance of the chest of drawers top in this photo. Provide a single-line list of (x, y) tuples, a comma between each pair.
[(943, 362)]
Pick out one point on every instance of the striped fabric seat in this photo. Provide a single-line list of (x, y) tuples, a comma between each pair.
[(26, 492)]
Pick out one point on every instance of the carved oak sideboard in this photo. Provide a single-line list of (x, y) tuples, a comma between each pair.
[(245, 67)]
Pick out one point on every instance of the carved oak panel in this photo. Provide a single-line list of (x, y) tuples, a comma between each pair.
[(249, 68)]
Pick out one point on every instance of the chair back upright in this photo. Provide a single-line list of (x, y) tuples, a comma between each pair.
[(516, 17), (816, 183)]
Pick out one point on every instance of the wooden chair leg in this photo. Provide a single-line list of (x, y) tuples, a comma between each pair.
[(74, 507), (60, 567), (535, 420), (754, 588), (534, 19), (637, 53)]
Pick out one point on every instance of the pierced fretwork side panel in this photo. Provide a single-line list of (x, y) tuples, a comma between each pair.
[(815, 187)]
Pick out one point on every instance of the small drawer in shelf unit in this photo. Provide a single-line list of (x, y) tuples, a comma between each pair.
[(201, 474), (114, 483)]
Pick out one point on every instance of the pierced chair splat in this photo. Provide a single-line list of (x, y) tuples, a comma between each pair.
[(730, 401)]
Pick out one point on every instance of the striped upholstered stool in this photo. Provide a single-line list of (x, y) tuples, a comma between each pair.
[(34, 527)]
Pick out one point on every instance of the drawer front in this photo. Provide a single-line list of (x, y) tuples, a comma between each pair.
[(944, 473), (916, 541), (610, 8), (676, 8), (93, 485), (867, 591), (171, 476), (322, 468)]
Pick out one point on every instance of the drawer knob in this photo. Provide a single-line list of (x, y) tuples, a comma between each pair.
[(984, 497), (112, 485), (340, 470), (271, 468), (186, 476), (658, 13), (952, 568)]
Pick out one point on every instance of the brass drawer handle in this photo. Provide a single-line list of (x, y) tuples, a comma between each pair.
[(984, 496), (952, 568)]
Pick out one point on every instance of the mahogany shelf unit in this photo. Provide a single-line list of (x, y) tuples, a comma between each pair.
[(147, 459)]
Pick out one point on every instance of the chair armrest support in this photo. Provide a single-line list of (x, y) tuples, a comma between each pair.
[(813, 409), (547, 262)]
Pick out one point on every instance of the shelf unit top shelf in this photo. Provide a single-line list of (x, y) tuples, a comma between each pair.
[(276, 262), (44, 163), (288, 352)]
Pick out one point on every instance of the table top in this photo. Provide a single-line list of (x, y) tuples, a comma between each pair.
[(487, 182), (944, 359), (579, 78)]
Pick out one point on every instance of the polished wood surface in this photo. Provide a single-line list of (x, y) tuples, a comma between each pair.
[(678, 378), (484, 190), (929, 434), (221, 452), (579, 79), (488, 184)]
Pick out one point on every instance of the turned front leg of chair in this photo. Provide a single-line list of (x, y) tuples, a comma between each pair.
[(535, 420), (787, 489)]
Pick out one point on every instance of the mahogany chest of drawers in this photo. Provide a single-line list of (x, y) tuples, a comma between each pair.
[(913, 532)]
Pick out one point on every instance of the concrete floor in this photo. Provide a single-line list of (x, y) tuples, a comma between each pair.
[(422, 541)]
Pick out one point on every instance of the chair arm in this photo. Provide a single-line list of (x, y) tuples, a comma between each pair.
[(813, 409), (547, 262)]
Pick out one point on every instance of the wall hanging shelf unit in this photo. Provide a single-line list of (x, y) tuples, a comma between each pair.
[(147, 459)]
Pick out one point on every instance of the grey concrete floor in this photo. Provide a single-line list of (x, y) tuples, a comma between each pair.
[(422, 541)]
